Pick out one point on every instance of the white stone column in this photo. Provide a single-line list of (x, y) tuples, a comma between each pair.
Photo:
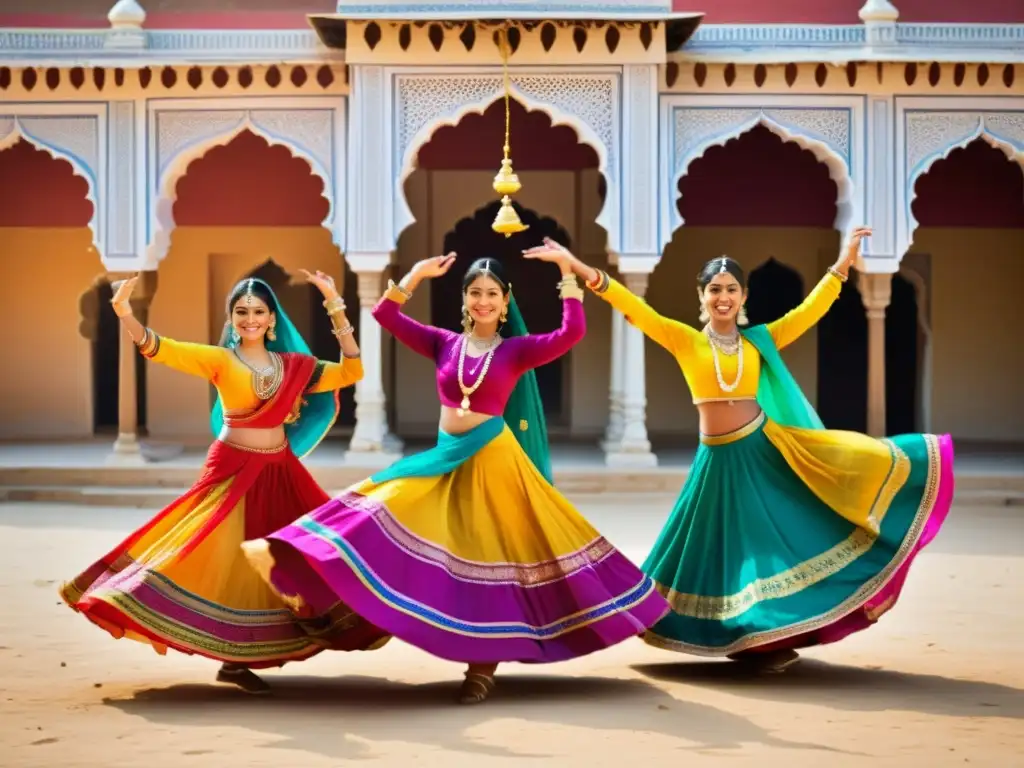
[(371, 442), (633, 449), (127, 449), (876, 291), (613, 432)]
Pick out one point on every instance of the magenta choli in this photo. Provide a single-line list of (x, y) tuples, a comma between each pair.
[(512, 358)]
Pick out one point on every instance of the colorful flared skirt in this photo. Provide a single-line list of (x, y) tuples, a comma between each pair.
[(468, 553), (182, 581), (787, 538)]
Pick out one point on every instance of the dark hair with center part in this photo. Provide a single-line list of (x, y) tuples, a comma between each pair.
[(254, 286), (723, 264), (488, 268)]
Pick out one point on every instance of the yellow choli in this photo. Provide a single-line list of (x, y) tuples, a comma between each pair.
[(692, 348), (233, 379)]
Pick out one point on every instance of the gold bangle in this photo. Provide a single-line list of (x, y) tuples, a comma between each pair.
[(335, 306), (397, 293), (836, 273), (345, 331), (600, 285)]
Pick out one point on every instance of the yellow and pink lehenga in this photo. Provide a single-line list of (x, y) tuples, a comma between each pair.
[(181, 581)]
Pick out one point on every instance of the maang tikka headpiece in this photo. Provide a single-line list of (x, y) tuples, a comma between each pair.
[(722, 269), (248, 292)]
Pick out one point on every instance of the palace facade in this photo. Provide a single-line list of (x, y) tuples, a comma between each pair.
[(202, 141)]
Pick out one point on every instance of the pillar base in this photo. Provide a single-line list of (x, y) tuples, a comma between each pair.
[(127, 452), (625, 459)]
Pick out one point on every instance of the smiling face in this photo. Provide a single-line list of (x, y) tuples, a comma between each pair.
[(485, 301), (723, 297), (251, 317)]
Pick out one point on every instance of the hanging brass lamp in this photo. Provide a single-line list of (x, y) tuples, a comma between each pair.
[(506, 183)]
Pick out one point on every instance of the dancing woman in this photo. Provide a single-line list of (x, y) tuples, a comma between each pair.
[(466, 550), (786, 535), (181, 580)]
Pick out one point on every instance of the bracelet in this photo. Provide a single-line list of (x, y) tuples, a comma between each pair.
[(347, 356), (836, 273), (397, 293), (335, 306), (600, 285), (339, 332), (122, 308), (568, 288), (149, 345)]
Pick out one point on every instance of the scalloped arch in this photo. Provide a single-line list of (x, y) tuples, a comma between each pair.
[(584, 133), (838, 170), (983, 132), (177, 168), (81, 170)]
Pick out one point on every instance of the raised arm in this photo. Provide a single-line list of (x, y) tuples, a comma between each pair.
[(425, 340), (330, 376), (795, 323), (539, 349), (203, 360), (674, 336)]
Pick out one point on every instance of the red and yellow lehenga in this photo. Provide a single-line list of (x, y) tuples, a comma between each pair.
[(181, 581)]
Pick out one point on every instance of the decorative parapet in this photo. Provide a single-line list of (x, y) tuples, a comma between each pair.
[(735, 43)]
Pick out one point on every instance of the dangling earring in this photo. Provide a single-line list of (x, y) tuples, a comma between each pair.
[(271, 335), (503, 317), (704, 316), (741, 318), (467, 320), (235, 338)]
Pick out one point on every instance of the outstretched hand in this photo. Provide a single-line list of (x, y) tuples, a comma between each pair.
[(323, 282), (123, 290), (849, 254), (434, 267)]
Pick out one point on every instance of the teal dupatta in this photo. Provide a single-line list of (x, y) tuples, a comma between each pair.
[(778, 394)]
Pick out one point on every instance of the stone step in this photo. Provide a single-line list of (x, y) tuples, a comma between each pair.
[(157, 497)]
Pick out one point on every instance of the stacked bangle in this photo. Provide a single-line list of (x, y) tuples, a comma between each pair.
[(568, 288), (842, 278), (600, 284)]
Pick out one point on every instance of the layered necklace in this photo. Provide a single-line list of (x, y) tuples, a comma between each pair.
[(265, 381), (491, 345), (728, 344)]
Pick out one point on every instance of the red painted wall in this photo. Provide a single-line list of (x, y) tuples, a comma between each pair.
[(167, 14), (977, 186), (975, 11), (37, 190), (250, 183), (475, 143), (757, 180), (774, 12)]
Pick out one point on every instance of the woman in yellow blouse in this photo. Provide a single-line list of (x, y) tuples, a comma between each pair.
[(786, 534), (181, 581)]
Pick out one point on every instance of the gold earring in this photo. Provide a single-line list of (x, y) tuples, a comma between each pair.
[(742, 319), (705, 317), (467, 320), (271, 335), (503, 317)]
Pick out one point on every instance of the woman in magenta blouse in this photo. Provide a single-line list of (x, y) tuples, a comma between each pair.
[(467, 550)]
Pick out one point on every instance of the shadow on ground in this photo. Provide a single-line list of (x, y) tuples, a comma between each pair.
[(855, 689), (340, 718)]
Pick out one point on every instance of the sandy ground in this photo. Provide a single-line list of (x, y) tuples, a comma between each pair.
[(936, 683)]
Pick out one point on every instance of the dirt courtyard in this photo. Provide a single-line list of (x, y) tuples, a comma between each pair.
[(939, 682)]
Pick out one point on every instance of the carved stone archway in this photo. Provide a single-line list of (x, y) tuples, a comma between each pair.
[(181, 134), (586, 101)]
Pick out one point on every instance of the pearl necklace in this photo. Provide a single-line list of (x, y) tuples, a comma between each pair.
[(467, 391), (717, 340), (265, 381)]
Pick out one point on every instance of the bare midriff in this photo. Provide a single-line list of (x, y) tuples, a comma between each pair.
[(254, 439), (720, 418), (454, 424)]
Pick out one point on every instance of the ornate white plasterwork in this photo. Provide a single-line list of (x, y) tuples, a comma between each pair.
[(181, 132), (929, 129), (589, 102), (75, 138), (829, 127)]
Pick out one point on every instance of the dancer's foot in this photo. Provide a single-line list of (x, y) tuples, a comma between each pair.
[(770, 662), (244, 678), (476, 688)]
